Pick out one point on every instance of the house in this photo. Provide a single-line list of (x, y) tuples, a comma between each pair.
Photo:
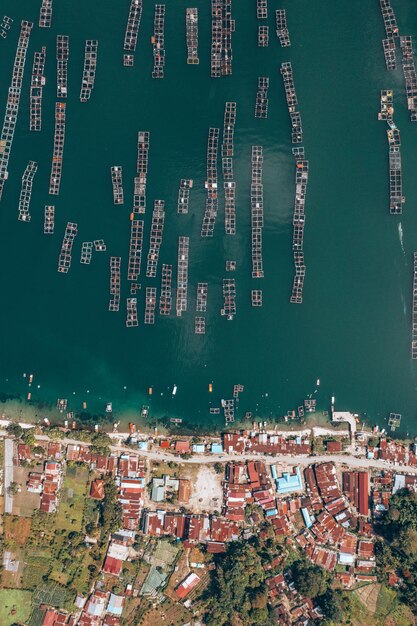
[(199, 448), (333, 446), (187, 585), (115, 605), (97, 489), (216, 448), (182, 447), (289, 483)]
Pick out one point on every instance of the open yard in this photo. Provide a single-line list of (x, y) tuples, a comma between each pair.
[(14, 606), (24, 502), (17, 529), (72, 498), (206, 494)]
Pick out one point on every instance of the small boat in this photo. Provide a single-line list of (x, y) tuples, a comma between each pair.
[(30, 379), (73, 425), (96, 428), (144, 412), (46, 421), (65, 423), (210, 387), (318, 382), (175, 420), (84, 405), (29, 396), (109, 407), (174, 390), (150, 391)]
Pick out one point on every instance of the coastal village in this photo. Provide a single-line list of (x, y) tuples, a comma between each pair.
[(183, 501)]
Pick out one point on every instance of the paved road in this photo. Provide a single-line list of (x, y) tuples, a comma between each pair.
[(8, 474)]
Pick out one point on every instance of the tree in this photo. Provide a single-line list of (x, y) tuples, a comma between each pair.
[(310, 580), (28, 436), (13, 489), (336, 605), (15, 429), (39, 450), (100, 443)]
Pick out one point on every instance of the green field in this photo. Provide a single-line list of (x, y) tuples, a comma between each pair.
[(72, 497), (14, 606)]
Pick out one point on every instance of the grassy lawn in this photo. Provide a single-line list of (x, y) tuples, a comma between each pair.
[(14, 606), (17, 529), (73, 494)]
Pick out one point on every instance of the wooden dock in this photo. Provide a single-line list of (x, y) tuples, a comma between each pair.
[(45, 14), (158, 41), (135, 249), (257, 211), (36, 88), (165, 299), (184, 195), (116, 172), (49, 220), (13, 101), (150, 304), (58, 153), (210, 214), (26, 191), (261, 102), (191, 27), (182, 275), (62, 56), (157, 231), (115, 274), (89, 70), (64, 259), (132, 30)]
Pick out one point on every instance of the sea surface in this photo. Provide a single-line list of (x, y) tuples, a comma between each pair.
[(353, 330)]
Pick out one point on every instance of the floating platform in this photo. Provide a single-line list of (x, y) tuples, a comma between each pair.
[(201, 305), (99, 245), (135, 249), (396, 198), (229, 298), (387, 105), (45, 14), (261, 102), (49, 220), (86, 252), (182, 275), (157, 230), (131, 312), (256, 297), (165, 299), (89, 70), (117, 183), (410, 76), (388, 46), (191, 27), (13, 101), (263, 36), (262, 9), (211, 185), (5, 26), (292, 102), (36, 88), (139, 192), (115, 280), (150, 304), (230, 266), (184, 195), (301, 180), (257, 211), (64, 259), (200, 325), (394, 421), (228, 407), (58, 153), (158, 41), (222, 27), (62, 56), (390, 21), (26, 191), (132, 29)]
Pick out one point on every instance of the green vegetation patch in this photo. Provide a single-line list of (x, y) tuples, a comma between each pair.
[(14, 606), (73, 494)]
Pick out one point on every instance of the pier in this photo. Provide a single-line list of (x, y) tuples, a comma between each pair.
[(36, 87), (62, 56), (301, 180), (165, 299), (45, 14), (229, 298), (49, 220), (256, 297), (292, 102), (157, 230), (257, 211), (64, 259), (388, 46), (390, 21), (229, 185), (132, 29), (89, 70), (158, 41), (201, 305), (262, 9), (281, 28), (58, 153), (414, 311), (117, 183), (139, 192), (13, 101), (182, 275), (263, 36), (410, 76), (135, 249), (200, 325), (210, 214), (184, 195), (191, 24), (131, 312), (261, 103), (150, 304), (86, 252), (396, 198), (5, 26), (26, 191), (114, 302)]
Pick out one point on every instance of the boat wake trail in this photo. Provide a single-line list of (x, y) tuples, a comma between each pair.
[(400, 235)]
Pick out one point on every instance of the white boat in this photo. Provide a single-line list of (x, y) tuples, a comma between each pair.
[(318, 382), (109, 407), (174, 390)]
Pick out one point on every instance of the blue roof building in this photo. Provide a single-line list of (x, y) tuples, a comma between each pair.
[(288, 483), (199, 448), (142, 445), (307, 518), (216, 448)]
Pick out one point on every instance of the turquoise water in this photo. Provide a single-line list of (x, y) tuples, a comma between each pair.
[(352, 330)]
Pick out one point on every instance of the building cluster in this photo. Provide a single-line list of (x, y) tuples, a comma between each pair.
[(48, 482)]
